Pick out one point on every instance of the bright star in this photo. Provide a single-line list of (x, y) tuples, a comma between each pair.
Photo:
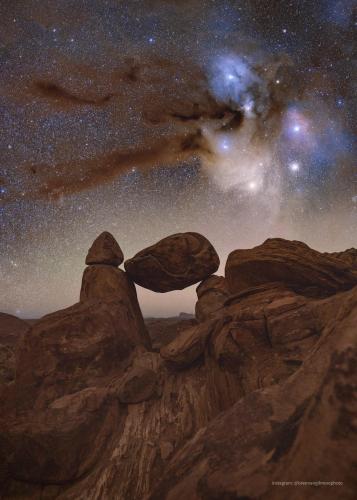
[(248, 106), (294, 166)]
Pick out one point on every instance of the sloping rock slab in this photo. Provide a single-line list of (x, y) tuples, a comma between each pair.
[(302, 430), (189, 345), (292, 263)]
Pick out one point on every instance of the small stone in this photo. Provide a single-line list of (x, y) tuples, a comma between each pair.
[(105, 250)]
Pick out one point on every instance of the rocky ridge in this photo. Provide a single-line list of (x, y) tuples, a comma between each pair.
[(259, 389)]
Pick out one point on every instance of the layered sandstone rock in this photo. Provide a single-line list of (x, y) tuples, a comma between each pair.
[(212, 294), (137, 385), (173, 263), (262, 392), (188, 346), (11, 330), (348, 256), (106, 283), (289, 262), (163, 330), (72, 349), (299, 431), (105, 250)]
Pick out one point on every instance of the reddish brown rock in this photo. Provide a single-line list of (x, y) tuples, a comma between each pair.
[(189, 345), (262, 392), (173, 263), (163, 330), (61, 442), (348, 256), (106, 283), (302, 430), (72, 349), (11, 330), (105, 250), (137, 385), (212, 294), (292, 263)]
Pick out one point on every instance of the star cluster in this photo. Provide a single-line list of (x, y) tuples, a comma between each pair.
[(231, 118)]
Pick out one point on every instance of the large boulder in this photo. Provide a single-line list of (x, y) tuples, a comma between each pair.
[(107, 283), (292, 263), (173, 263), (105, 250), (212, 293), (72, 349), (62, 441)]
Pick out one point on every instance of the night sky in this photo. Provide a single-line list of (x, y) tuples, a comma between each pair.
[(235, 119)]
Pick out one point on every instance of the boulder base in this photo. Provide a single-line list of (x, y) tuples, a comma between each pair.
[(107, 283)]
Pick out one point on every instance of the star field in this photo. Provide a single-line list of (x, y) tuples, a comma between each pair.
[(145, 118)]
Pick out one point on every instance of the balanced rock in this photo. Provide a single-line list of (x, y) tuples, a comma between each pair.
[(105, 250), (212, 294), (173, 263), (298, 267)]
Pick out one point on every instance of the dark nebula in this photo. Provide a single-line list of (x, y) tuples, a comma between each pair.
[(234, 119)]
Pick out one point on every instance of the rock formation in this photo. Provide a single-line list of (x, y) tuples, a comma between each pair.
[(105, 250), (11, 329), (259, 393), (164, 330), (290, 262), (107, 283), (173, 263), (348, 256), (212, 294)]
